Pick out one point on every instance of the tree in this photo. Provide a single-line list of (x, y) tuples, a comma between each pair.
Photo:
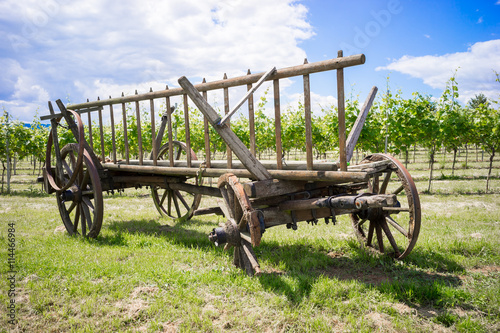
[(477, 101)]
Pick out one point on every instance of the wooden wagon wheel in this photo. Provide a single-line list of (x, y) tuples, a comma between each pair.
[(244, 219), (398, 227), (176, 204), (81, 205), (61, 184)]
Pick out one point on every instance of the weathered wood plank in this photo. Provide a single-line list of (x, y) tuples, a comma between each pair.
[(307, 119), (315, 67), (277, 124), (336, 177), (187, 130), (341, 115), (113, 136), (139, 135), (358, 125), (125, 134)]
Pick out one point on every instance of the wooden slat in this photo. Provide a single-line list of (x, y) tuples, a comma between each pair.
[(336, 177), (256, 169), (113, 137), (187, 131), (229, 153), (101, 132), (307, 117), (125, 134), (358, 125), (248, 94), (277, 123), (153, 129), (315, 67), (89, 118), (206, 132), (341, 116), (139, 130), (251, 119), (169, 129)]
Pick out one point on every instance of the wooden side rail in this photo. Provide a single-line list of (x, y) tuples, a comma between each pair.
[(251, 81)]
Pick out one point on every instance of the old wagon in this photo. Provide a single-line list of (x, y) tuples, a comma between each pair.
[(254, 195)]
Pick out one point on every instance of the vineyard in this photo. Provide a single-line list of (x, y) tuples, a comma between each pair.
[(396, 125)]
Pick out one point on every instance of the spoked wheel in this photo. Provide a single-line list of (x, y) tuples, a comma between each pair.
[(81, 204), (176, 204), (243, 223), (390, 230)]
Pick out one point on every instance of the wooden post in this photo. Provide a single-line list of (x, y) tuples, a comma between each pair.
[(277, 123), (113, 138), (91, 142), (153, 129), (307, 117), (188, 134), (139, 134), (125, 134), (251, 119), (229, 153), (254, 166), (169, 129), (341, 116), (101, 132), (206, 132)]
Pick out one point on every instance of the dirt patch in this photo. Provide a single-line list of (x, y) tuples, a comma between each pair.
[(486, 269), (137, 302)]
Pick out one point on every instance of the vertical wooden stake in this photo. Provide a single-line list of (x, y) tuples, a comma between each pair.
[(226, 111), (251, 119), (277, 123), (153, 129), (91, 142), (113, 138), (307, 118), (169, 130), (206, 131), (139, 134), (341, 116), (125, 134), (101, 132), (188, 134)]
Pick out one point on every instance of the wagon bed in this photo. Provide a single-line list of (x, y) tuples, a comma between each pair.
[(378, 194)]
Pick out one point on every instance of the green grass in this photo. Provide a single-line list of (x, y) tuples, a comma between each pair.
[(144, 273)]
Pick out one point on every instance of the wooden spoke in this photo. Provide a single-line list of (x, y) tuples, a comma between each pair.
[(181, 198), (87, 201), (388, 234), (404, 216), (399, 189), (370, 234), (380, 240), (385, 182), (396, 226), (84, 221), (189, 201)]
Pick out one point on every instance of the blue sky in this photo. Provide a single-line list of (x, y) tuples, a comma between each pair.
[(74, 50)]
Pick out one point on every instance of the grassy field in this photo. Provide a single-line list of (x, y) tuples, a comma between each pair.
[(146, 274)]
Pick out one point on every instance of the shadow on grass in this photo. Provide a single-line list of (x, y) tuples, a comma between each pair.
[(301, 265)]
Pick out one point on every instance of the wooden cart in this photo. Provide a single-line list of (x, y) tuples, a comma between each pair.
[(378, 194)]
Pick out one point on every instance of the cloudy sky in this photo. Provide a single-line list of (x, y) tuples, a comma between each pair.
[(79, 49)]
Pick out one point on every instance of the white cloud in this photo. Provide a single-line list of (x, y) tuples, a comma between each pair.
[(474, 69), (83, 48)]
